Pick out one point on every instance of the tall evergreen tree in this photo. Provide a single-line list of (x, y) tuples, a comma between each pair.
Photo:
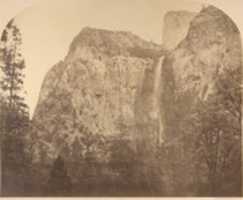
[(15, 117), (12, 65)]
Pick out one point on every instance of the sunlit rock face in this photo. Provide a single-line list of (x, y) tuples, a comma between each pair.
[(175, 28), (94, 87)]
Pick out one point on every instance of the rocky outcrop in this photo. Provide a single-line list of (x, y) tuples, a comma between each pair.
[(176, 25), (94, 87)]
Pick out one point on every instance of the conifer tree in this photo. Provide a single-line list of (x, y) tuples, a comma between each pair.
[(12, 66), (14, 120)]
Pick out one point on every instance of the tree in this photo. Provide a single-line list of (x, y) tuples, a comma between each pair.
[(12, 65), (15, 118), (59, 183)]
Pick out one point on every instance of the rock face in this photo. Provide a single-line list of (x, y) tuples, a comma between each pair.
[(211, 48), (187, 74), (176, 25), (94, 87)]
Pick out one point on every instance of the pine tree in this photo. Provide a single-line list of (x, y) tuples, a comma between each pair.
[(59, 183), (15, 117), (12, 65)]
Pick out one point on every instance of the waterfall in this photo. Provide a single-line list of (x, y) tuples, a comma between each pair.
[(156, 95), (148, 115), (157, 75)]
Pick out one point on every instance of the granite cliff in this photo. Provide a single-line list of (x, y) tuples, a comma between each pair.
[(94, 87)]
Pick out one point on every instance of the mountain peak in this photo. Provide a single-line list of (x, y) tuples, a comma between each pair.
[(176, 25), (109, 42), (211, 25), (179, 13)]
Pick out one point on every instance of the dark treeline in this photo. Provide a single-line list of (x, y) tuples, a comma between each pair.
[(204, 159)]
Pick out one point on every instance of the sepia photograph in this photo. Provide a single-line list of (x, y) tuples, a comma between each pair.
[(121, 98)]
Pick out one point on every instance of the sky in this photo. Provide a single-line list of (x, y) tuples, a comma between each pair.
[(49, 26)]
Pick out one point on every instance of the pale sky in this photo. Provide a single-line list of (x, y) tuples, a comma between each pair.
[(49, 26)]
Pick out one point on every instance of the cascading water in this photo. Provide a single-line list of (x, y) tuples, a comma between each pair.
[(156, 98)]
